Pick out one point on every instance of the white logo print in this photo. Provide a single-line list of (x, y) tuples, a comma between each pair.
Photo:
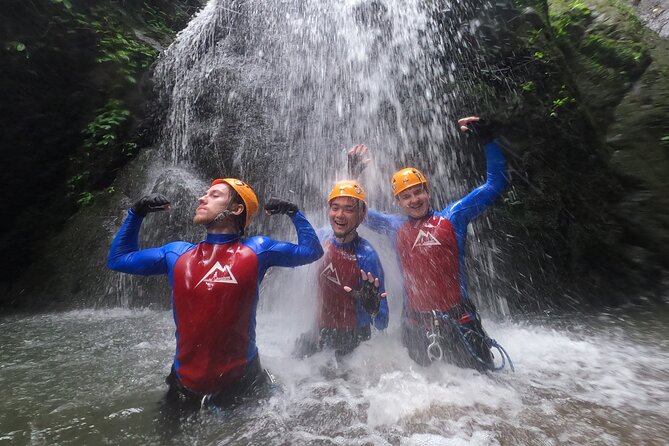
[(330, 273), (425, 239), (218, 274)]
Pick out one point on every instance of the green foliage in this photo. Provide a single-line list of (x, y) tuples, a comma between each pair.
[(564, 23), (120, 48), (85, 199), (14, 47), (129, 149), (608, 51), (562, 101), (103, 131), (528, 86), (76, 181), (158, 21)]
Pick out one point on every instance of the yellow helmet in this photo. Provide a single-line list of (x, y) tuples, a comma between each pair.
[(405, 178), (245, 192), (347, 188)]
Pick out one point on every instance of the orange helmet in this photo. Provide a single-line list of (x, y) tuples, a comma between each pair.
[(347, 188), (405, 178), (245, 192)]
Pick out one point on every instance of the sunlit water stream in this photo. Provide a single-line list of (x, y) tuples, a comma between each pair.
[(96, 377)]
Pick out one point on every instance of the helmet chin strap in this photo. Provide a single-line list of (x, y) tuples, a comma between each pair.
[(220, 217)]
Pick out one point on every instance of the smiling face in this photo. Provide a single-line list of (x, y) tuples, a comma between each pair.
[(345, 215), (414, 201), (212, 203)]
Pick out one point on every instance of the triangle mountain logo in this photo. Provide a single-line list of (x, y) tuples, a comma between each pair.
[(218, 274), (330, 273), (425, 239)]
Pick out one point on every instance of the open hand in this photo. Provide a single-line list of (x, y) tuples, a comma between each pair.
[(484, 130), (368, 294), (358, 159)]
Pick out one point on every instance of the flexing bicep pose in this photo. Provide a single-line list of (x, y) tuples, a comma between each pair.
[(351, 295), (215, 286), (438, 317)]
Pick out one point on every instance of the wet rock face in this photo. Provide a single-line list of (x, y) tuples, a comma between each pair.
[(584, 98), (654, 14), (71, 82)]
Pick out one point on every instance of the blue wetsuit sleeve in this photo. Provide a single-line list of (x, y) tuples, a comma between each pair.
[(369, 261), (386, 224), (276, 253), (126, 257), (471, 206)]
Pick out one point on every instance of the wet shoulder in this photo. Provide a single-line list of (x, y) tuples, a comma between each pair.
[(365, 248), (259, 243), (178, 247)]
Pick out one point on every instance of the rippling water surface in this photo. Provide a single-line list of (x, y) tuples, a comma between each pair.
[(96, 377)]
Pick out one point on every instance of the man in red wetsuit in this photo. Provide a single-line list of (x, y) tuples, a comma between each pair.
[(215, 287), (345, 314), (438, 319)]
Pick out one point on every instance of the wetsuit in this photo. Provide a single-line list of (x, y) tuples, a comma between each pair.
[(215, 293), (342, 322), (431, 252)]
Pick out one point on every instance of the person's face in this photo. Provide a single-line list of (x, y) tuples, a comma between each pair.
[(212, 203), (414, 201), (345, 215)]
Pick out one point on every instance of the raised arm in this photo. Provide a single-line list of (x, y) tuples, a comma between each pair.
[(472, 205), (276, 253), (125, 255), (386, 224)]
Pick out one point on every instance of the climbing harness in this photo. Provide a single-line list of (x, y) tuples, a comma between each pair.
[(466, 336)]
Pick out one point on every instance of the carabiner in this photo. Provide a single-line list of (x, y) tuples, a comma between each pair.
[(434, 350)]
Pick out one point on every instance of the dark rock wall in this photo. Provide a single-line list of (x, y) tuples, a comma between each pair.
[(585, 109), (72, 94)]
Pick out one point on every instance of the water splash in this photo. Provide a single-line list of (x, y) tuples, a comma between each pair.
[(283, 88)]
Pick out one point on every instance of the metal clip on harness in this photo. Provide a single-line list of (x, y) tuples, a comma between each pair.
[(434, 350)]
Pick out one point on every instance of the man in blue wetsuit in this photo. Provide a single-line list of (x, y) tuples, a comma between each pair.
[(215, 287), (438, 318), (345, 314)]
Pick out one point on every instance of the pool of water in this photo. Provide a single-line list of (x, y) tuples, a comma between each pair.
[(97, 377)]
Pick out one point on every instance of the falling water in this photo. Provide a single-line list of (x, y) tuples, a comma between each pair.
[(276, 91)]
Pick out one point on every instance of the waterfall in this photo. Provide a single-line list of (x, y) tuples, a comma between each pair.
[(275, 92), (283, 88)]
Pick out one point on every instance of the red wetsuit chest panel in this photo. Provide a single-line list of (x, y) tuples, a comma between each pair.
[(215, 289), (428, 253), (338, 268)]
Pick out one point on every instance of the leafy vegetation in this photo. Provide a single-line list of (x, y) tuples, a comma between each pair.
[(71, 78)]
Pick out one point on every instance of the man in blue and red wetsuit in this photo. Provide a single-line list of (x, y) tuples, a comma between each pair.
[(215, 287), (351, 295), (438, 318)]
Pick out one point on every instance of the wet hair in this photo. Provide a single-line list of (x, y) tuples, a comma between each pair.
[(238, 220)]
